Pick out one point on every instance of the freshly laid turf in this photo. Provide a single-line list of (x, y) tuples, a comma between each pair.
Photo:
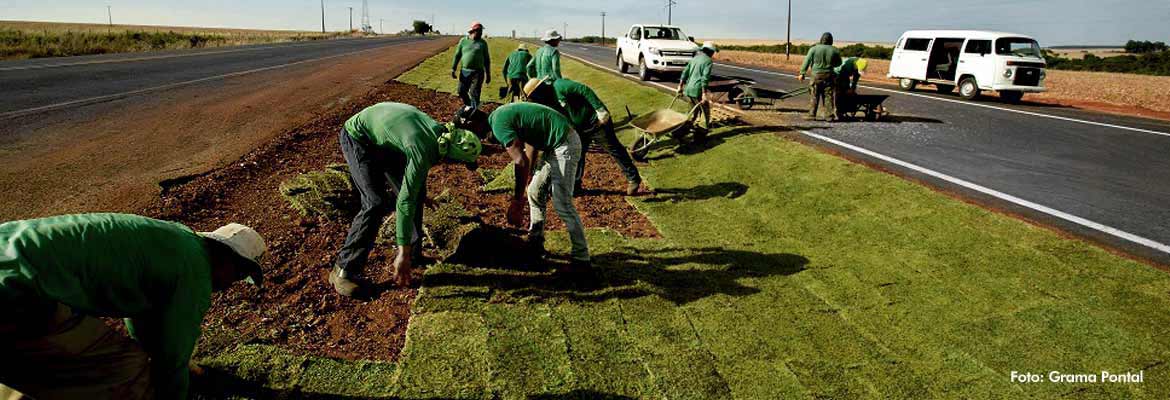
[(784, 272)]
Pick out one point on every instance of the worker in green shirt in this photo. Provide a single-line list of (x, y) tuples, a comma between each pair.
[(390, 148), (472, 65), (525, 129), (58, 274), (693, 84), (848, 74), (589, 117), (516, 71), (546, 65), (820, 62)]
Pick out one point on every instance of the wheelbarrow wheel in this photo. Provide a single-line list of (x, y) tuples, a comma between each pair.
[(746, 103), (640, 149)]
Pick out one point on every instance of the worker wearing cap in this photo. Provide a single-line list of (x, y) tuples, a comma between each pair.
[(525, 129), (821, 60), (390, 148), (58, 274), (472, 64), (693, 84), (546, 65), (848, 74), (516, 71), (589, 117)]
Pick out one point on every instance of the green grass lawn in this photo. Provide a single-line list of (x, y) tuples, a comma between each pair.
[(784, 272)]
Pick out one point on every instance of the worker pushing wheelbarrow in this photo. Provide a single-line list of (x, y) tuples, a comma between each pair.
[(656, 126)]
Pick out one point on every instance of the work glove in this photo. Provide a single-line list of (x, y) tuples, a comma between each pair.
[(602, 117)]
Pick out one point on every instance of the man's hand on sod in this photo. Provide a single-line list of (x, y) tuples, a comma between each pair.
[(402, 267)]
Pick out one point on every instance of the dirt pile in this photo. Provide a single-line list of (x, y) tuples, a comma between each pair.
[(298, 311)]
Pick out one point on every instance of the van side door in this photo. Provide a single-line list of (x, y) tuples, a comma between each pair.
[(911, 59), (977, 60), (630, 49)]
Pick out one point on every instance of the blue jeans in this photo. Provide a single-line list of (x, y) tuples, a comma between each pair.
[(470, 86), (556, 173), (377, 175)]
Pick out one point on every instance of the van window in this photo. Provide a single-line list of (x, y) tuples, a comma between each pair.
[(978, 47), (1019, 47), (658, 32), (916, 44), (636, 33)]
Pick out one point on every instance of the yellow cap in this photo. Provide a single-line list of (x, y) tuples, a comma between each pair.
[(861, 64), (531, 86)]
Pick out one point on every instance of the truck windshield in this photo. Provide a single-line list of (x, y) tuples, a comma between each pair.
[(658, 32), (1019, 47)]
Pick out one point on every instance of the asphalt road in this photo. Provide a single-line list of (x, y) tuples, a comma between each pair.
[(1102, 176), (33, 86)]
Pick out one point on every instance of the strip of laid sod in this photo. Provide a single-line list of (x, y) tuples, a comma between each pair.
[(786, 272)]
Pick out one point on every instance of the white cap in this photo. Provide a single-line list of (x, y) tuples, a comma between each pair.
[(245, 241), (551, 35)]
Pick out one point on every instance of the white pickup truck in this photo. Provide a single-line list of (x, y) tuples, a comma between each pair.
[(655, 49)]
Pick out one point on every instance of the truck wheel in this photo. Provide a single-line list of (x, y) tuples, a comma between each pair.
[(968, 88), (1011, 96), (944, 89), (621, 64), (907, 84), (643, 71)]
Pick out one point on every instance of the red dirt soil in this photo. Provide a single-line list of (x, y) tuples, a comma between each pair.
[(298, 310)]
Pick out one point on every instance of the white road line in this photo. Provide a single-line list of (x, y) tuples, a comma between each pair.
[(98, 99), (147, 58), (967, 103), (1118, 233)]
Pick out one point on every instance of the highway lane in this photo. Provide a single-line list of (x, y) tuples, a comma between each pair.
[(38, 85), (1098, 175)]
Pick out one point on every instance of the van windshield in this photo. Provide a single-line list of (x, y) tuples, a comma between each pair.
[(658, 32), (1019, 47)]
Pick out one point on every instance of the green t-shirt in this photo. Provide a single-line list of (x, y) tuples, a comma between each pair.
[(473, 53), (516, 66), (580, 102), (403, 129), (697, 75), (531, 123), (822, 58), (546, 64), (155, 273)]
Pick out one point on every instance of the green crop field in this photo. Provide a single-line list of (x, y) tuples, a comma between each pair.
[(783, 272)]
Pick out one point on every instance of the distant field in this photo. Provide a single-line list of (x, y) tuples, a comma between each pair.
[(1077, 54), (26, 39)]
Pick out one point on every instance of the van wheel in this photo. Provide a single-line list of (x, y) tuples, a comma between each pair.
[(907, 84), (1011, 96), (944, 89), (643, 71), (621, 64), (968, 89)]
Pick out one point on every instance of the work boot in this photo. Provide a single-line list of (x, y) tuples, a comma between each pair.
[(632, 188), (534, 247), (342, 283)]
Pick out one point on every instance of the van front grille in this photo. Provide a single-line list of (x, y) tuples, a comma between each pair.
[(1027, 77), (672, 53)]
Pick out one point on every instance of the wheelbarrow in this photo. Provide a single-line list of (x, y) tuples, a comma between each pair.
[(869, 105), (656, 127), (747, 95)]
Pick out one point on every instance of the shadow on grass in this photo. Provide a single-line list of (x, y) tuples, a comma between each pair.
[(581, 395), (218, 384), (681, 275), (716, 138), (728, 190)]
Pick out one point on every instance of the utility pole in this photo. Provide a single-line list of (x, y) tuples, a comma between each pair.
[(350, 18), (110, 16), (670, 11), (603, 28), (565, 30), (381, 26), (788, 43), (322, 16)]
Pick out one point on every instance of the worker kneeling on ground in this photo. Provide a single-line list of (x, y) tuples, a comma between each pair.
[(546, 65), (516, 71), (693, 84), (57, 274), (591, 119), (822, 59), (525, 129), (848, 74), (390, 148)]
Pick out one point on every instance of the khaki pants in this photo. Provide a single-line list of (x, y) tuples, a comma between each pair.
[(824, 97), (77, 357)]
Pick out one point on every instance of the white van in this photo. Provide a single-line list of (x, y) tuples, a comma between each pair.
[(655, 49), (973, 61)]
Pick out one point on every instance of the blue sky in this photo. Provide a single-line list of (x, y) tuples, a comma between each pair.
[(1052, 22)]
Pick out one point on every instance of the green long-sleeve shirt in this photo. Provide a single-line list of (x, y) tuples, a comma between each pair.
[(474, 55), (848, 72), (155, 273), (546, 64), (581, 103), (403, 129), (516, 66), (540, 126), (697, 75), (822, 58)]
